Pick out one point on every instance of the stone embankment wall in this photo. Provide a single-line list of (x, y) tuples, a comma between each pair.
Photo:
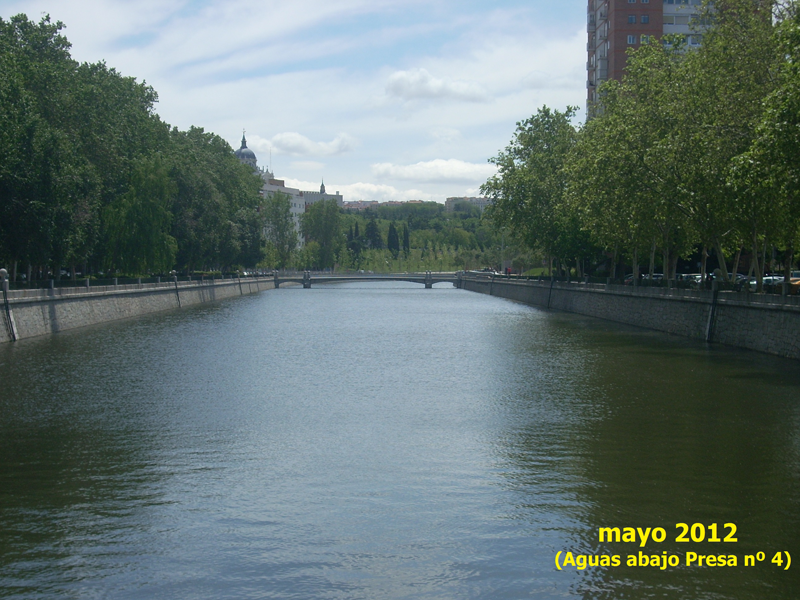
[(765, 323), (41, 312)]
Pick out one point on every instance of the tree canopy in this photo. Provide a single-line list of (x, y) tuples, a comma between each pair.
[(91, 176), (693, 153)]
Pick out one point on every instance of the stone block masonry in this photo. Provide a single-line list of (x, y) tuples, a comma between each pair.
[(42, 312), (759, 322)]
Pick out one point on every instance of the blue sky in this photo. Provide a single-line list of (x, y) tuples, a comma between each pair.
[(385, 99)]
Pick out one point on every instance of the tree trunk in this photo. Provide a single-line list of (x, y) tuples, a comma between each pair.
[(635, 266), (14, 270), (614, 267), (721, 258), (703, 266), (652, 260), (736, 262), (757, 266)]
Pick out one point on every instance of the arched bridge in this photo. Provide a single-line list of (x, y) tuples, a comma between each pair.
[(307, 278)]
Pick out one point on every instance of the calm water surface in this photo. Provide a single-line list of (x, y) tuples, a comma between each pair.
[(372, 441)]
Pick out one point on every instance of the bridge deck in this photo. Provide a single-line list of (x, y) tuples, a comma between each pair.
[(425, 279)]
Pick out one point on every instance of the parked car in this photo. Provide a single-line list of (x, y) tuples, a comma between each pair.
[(773, 279), (692, 278)]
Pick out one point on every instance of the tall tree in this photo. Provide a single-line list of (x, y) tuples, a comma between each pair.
[(393, 240), (321, 224), (529, 186), (372, 233), (138, 222), (767, 176), (279, 227)]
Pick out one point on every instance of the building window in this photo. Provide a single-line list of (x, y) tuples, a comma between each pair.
[(645, 18), (645, 1), (631, 19), (645, 39), (631, 39), (631, 1)]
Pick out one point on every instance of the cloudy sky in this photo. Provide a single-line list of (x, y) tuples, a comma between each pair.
[(384, 99)]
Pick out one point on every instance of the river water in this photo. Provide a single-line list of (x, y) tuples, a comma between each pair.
[(375, 441)]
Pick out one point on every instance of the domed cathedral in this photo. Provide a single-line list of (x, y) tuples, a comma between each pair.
[(248, 157)]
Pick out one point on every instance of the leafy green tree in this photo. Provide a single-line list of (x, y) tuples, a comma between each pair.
[(217, 203), (309, 256), (279, 227), (373, 234), (393, 240), (767, 176), (321, 223), (138, 222), (49, 190), (528, 189), (622, 173)]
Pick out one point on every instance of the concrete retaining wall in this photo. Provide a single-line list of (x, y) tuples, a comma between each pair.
[(41, 312), (759, 322)]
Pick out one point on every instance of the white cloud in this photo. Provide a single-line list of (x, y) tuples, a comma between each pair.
[(295, 144), (307, 165), (539, 80), (446, 134), (437, 170), (419, 84)]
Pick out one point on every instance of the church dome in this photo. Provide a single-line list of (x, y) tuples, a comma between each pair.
[(246, 155), (244, 152)]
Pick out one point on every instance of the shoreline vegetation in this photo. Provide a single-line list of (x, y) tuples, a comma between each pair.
[(691, 163)]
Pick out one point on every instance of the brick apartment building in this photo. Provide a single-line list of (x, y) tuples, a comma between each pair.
[(613, 26)]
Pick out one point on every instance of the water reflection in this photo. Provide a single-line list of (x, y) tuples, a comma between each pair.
[(383, 441), (664, 431)]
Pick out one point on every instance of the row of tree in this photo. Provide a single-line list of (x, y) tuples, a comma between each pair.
[(693, 151), (91, 178), (411, 236)]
